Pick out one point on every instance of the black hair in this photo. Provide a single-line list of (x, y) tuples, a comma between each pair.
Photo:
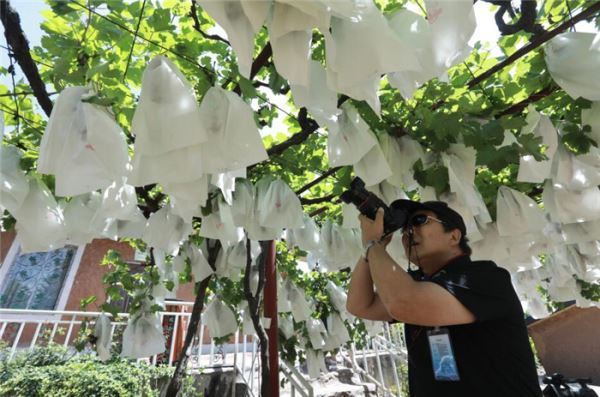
[(464, 241)]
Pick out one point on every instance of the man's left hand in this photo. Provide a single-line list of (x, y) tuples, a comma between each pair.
[(371, 229)]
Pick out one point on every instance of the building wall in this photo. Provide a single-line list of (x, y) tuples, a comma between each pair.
[(88, 279), (6, 240)]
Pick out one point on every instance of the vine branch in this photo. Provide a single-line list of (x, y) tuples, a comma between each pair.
[(135, 36), (15, 37), (536, 42), (254, 302), (198, 28), (317, 200), (314, 182)]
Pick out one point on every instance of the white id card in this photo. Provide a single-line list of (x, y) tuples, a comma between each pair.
[(442, 357)]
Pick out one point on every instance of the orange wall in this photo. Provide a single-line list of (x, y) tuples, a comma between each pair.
[(88, 280), (6, 240)]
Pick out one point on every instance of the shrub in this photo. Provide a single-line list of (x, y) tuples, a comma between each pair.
[(53, 371)]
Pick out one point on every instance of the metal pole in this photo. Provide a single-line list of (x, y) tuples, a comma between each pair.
[(271, 312)]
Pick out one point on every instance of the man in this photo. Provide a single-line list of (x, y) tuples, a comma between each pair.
[(464, 325)]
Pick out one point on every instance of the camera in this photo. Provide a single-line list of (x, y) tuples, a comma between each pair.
[(367, 204)]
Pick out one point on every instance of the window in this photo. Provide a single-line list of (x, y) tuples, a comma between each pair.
[(35, 280)]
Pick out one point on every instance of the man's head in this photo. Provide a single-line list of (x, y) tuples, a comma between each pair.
[(437, 232)]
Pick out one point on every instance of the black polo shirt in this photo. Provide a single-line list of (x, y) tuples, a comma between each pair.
[(492, 354)]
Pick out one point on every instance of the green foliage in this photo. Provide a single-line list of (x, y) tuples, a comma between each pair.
[(53, 371), (436, 176)]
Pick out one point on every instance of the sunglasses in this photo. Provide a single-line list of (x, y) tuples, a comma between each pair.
[(419, 220)]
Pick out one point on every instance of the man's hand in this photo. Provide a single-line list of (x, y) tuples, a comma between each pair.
[(371, 229)]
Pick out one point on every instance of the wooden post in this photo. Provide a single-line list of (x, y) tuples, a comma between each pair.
[(271, 312)]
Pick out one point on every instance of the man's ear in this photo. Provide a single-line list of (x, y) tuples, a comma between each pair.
[(455, 236)]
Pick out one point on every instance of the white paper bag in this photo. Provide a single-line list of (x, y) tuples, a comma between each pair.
[(132, 228), (316, 96), (40, 221), (14, 185), (364, 91), (411, 152), (225, 181), (286, 325), (517, 214), (337, 333), (234, 141), (350, 216), (531, 170), (392, 152), (219, 225), (241, 20), (580, 232), (143, 336), (491, 246), (571, 206), (260, 233), (337, 296), (279, 207), (166, 231), (316, 332), (82, 146), (219, 319), (387, 192), (301, 308), (242, 206), (315, 362), (460, 162), (167, 117), (283, 303), (355, 58), (353, 140), (198, 263), (119, 201), (373, 168), (340, 247), (290, 31), (103, 334), (577, 172), (148, 169), (452, 23), (581, 78), (78, 214), (414, 30), (306, 237), (247, 324), (188, 197), (237, 257), (373, 327)]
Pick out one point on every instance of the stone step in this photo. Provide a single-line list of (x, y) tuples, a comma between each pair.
[(341, 383)]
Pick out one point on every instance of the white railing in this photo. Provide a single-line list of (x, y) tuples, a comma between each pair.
[(298, 382), (22, 330), (378, 362)]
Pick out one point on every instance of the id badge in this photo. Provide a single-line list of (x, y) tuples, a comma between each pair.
[(442, 357)]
